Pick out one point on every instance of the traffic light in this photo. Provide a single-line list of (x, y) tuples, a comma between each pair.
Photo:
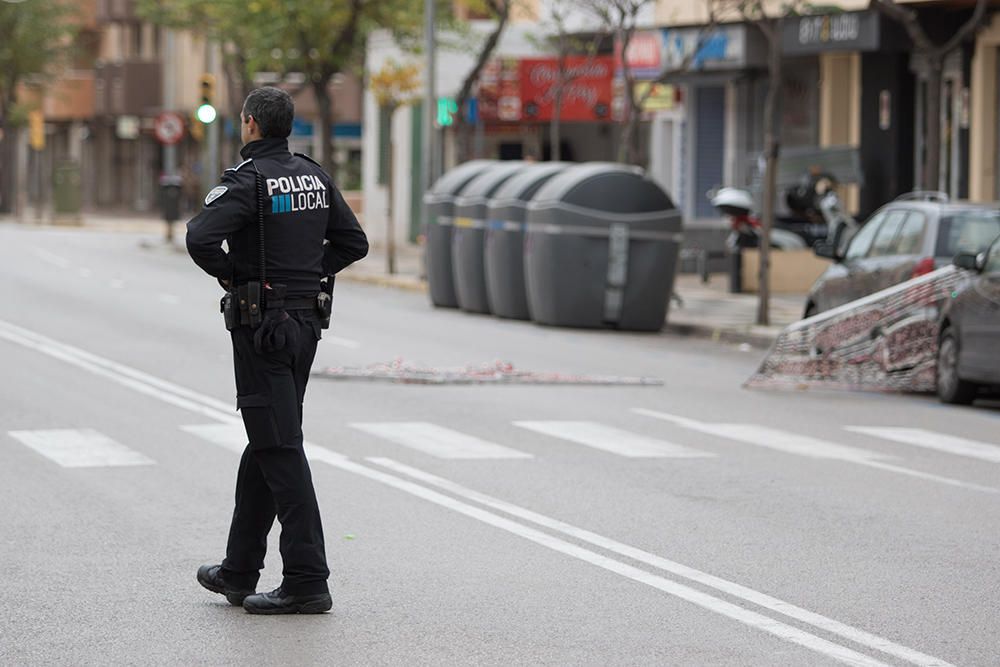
[(447, 108), (206, 111), (36, 130)]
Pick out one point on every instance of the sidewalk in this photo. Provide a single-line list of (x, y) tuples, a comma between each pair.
[(705, 310)]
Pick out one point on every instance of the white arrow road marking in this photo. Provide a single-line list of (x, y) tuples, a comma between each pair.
[(81, 448), (614, 440), (941, 442), (804, 445), (438, 441), (205, 405)]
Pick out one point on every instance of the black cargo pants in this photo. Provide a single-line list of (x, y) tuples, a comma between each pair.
[(274, 477)]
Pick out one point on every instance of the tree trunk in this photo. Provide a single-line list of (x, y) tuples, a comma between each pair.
[(932, 119), (8, 168), (555, 126), (325, 107), (390, 223), (772, 148)]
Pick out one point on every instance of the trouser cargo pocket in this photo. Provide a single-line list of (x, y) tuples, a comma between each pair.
[(260, 422)]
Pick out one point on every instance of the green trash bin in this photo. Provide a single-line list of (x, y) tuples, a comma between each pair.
[(66, 189)]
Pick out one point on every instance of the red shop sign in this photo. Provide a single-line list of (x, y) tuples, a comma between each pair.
[(525, 89)]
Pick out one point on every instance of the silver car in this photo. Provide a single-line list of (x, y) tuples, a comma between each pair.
[(909, 237)]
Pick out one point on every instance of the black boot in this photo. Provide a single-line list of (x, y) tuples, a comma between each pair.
[(280, 602), (210, 577)]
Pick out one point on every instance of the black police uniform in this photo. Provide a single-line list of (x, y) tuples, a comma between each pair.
[(310, 232)]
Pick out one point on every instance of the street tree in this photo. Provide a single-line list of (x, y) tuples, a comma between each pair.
[(566, 42), (35, 39), (393, 86), (620, 19), (246, 33), (499, 12), (934, 55)]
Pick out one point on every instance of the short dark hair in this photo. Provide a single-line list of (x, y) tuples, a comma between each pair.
[(273, 110)]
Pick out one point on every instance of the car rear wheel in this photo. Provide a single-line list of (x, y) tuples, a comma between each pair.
[(950, 387)]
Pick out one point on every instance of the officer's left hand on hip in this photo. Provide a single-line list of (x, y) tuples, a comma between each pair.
[(276, 332)]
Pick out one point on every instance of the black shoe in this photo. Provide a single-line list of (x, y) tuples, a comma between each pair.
[(210, 577), (280, 602)]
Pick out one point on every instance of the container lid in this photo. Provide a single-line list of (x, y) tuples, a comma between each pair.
[(483, 185), (523, 185), (603, 186), (454, 180)]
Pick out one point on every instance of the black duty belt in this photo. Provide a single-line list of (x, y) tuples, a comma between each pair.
[(305, 303)]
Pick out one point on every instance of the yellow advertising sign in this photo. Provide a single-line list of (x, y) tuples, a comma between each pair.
[(662, 97)]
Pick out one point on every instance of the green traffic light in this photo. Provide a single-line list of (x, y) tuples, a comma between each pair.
[(206, 113)]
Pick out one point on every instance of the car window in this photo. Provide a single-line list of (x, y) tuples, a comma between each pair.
[(993, 259), (910, 236), (862, 240), (969, 231), (883, 244)]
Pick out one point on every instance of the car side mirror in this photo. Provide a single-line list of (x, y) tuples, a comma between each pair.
[(969, 261), (827, 250)]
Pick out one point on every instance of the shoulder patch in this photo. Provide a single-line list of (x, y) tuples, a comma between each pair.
[(303, 155), (215, 194), (237, 167)]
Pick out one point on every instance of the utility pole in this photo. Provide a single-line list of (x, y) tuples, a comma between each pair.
[(169, 178), (430, 100), (210, 175)]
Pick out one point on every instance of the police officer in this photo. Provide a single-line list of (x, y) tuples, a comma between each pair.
[(287, 228)]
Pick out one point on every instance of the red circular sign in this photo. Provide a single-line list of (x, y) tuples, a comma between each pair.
[(168, 128)]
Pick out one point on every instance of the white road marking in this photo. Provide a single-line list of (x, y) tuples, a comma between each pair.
[(941, 442), (234, 438), (614, 440), (730, 588), (169, 298), (438, 441), (342, 342), (51, 258), (199, 403), (117, 283), (81, 448), (803, 445), (132, 378)]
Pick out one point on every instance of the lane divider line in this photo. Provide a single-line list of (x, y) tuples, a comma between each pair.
[(819, 621), (178, 396)]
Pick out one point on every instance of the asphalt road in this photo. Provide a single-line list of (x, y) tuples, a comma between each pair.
[(694, 523)]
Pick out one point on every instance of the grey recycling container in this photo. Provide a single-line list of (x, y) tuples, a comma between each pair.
[(469, 235), (439, 204), (601, 249), (503, 258)]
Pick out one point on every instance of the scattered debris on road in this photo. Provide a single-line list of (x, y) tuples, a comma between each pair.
[(498, 372)]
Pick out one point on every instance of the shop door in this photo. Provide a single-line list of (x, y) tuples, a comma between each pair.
[(709, 146)]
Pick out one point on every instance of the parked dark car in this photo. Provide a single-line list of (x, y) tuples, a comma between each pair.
[(909, 237), (968, 358)]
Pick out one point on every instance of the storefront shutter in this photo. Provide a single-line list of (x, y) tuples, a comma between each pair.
[(710, 143)]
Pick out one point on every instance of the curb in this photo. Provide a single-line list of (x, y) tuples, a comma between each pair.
[(722, 335), (407, 283)]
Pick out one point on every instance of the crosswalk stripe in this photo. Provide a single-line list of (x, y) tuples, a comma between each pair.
[(941, 442), (438, 441), (234, 438), (613, 440), (80, 448), (804, 445)]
